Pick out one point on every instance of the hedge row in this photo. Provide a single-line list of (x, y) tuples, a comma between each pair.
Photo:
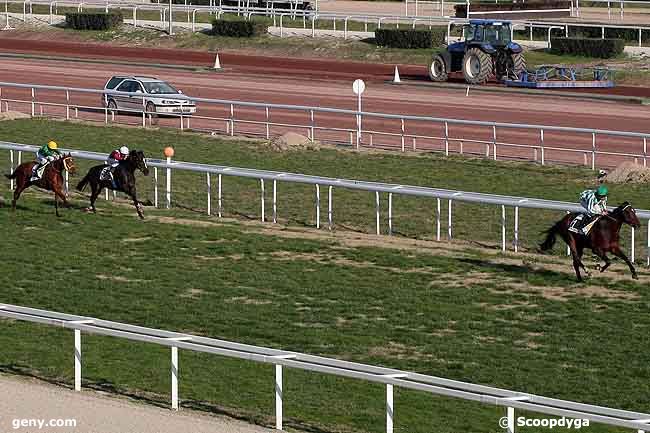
[(398, 38), (93, 20), (260, 4), (238, 28), (588, 47)]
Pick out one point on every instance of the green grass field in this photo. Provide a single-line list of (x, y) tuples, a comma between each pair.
[(457, 310)]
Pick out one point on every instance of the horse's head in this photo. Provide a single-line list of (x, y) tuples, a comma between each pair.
[(67, 163), (138, 159), (627, 214)]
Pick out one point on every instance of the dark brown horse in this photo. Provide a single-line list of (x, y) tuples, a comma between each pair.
[(52, 179), (124, 179), (602, 239)]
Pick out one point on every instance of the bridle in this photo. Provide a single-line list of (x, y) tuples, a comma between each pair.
[(67, 163)]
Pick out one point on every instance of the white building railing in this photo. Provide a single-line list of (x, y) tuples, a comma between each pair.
[(402, 134), (391, 378), (450, 196)]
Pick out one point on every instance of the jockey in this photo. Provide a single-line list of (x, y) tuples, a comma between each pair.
[(117, 156), (595, 203), (113, 160), (46, 154)]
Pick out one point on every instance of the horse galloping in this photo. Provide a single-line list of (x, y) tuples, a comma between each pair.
[(52, 179), (602, 239), (123, 179)]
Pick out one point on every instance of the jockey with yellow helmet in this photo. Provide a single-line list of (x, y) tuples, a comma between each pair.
[(47, 153)]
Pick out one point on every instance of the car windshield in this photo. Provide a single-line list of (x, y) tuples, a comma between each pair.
[(159, 87), (497, 35)]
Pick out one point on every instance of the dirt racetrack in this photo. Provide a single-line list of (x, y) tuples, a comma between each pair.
[(95, 412)]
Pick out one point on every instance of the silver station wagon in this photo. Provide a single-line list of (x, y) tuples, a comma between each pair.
[(158, 96)]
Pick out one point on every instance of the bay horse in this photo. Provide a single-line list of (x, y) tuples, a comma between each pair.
[(52, 179), (602, 239), (124, 177)]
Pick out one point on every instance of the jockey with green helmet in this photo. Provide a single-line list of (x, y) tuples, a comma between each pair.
[(595, 203), (47, 153)]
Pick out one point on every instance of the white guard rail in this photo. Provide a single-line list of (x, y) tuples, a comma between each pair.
[(419, 191), (390, 377), (536, 152)]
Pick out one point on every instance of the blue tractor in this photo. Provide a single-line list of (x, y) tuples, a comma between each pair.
[(487, 51)]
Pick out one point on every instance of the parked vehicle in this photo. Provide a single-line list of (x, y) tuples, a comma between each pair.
[(157, 96), (487, 51)]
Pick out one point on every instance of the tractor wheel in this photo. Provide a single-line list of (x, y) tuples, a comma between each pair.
[(437, 69), (477, 66), (517, 63)]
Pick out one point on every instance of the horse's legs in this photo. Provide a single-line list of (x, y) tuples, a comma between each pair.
[(579, 251), (136, 203), (603, 256), (618, 253), (96, 190), (574, 255), (20, 187)]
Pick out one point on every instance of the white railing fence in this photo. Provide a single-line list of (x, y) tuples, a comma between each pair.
[(263, 176), (391, 378), (495, 140)]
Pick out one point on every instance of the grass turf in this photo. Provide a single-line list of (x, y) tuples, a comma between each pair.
[(463, 313)]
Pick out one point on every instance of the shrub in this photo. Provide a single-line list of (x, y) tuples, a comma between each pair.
[(588, 47), (93, 20), (238, 28), (398, 38)]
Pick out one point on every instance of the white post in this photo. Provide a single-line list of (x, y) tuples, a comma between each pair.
[(77, 360), (645, 151), (329, 212), (262, 197), (503, 228), (541, 136), (67, 178), (377, 211), (174, 377), (169, 182), (275, 201), (438, 220), (358, 120), (389, 408), (516, 241), (219, 204), (317, 206), (11, 156), (511, 420), (593, 150), (446, 138), (209, 193), (390, 213), (155, 187), (494, 141), (171, 31), (449, 221), (278, 397), (648, 246)]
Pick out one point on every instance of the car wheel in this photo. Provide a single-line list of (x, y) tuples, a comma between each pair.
[(112, 105), (151, 109)]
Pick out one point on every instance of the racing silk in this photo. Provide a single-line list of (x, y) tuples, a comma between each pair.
[(591, 203), (117, 156), (46, 151)]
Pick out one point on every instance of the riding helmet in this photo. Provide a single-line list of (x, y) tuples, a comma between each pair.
[(602, 191), (52, 145), (124, 150)]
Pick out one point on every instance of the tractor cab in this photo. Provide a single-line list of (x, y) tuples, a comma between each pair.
[(486, 51)]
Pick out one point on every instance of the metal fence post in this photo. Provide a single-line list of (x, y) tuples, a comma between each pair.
[(438, 219), (232, 120), (77, 360), (275, 201), (389, 408), (516, 240), (377, 212), (33, 104), (317, 206), (503, 228), (168, 184), (494, 142), (446, 138), (645, 151), (449, 221), (209, 193), (219, 203), (262, 197), (174, 377), (648, 246), (541, 136), (278, 397), (11, 157), (311, 117), (593, 150), (155, 187), (402, 134), (632, 247), (67, 105), (511, 420), (390, 213), (329, 209), (268, 128)]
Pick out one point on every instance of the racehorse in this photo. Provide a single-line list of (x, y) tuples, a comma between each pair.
[(602, 239), (124, 178), (52, 179)]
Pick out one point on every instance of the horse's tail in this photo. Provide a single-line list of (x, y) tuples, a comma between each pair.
[(11, 176), (81, 185), (550, 236)]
